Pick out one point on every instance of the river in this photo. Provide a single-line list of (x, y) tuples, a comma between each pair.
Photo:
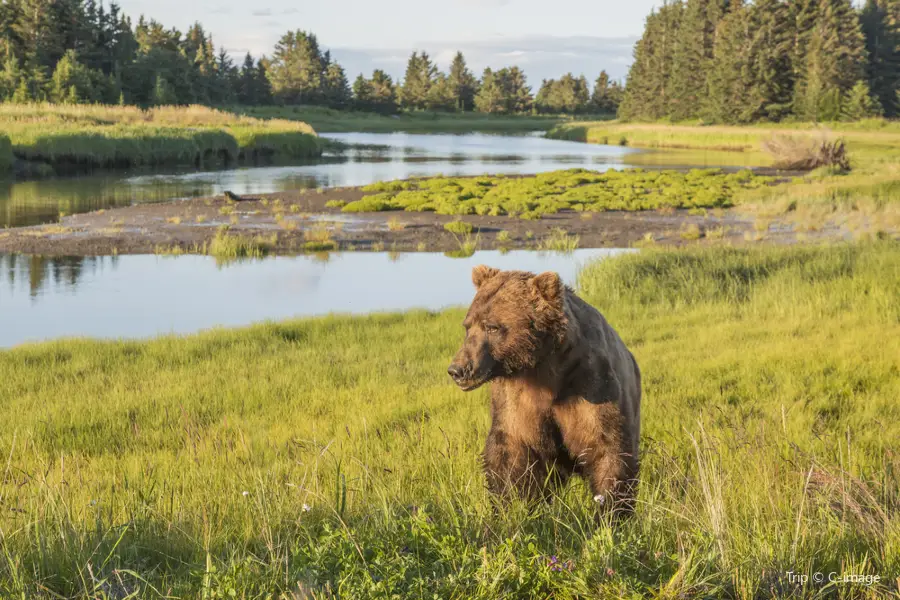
[(139, 296)]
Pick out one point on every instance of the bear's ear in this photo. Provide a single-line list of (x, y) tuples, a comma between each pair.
[(549, 287), (482, 273)]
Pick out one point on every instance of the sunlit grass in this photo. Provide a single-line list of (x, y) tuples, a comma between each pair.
[(335, 454), (115, 136), (873, 148)]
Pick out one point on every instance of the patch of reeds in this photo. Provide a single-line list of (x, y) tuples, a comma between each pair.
[(113, 136)]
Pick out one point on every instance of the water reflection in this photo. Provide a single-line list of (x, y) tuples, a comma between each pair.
[(39, 275), (139, 296), (379, 157)]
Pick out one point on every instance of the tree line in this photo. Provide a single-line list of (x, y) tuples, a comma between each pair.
[(768, 60), (78, 51)]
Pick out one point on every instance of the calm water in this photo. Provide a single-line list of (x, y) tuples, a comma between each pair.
[(139, 296), (400, 156)]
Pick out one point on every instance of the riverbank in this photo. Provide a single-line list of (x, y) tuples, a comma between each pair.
[(311, 455), (560, 210), (298, 222), (326, 120), (46, 139)]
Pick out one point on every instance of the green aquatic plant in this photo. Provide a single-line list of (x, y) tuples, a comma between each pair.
[(548, 193)]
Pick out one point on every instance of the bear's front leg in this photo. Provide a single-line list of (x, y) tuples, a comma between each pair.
[(513, 468), (612, 477)]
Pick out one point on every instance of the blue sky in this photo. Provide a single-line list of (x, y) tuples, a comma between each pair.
[(546, 39)]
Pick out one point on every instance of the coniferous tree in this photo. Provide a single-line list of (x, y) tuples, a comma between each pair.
[(728, 86), (246, 85), (384, 93), (834, 61), (647, 94), (336, 87), (71, 82), (569, 94), (363, 93), (607, 95), (463, 84), (420, 75), (296, 69), (858, 103), (490, 97), (263, 85), (881, 26), (516, 93), (693, 54), (442, 94), (11, 78)]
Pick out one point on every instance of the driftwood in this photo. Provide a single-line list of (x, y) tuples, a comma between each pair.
[(806, 153)]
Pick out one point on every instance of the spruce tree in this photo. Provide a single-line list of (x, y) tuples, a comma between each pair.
[(336, 89), (728, 85), (362, 93), (462, 83), (880, 21), (384, 93), (692, 57), (71, 81), (296, 69), (771, 83), (648, 92), (834, 61), (420, 74), (858, 103), (246, 85), (490, 98)]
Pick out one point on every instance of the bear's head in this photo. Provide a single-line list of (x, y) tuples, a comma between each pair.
[(515, 320)]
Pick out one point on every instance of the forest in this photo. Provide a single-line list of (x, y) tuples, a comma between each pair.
[(78, 51), (770, 60)]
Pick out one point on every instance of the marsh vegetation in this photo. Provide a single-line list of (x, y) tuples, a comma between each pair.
[(332, 456)]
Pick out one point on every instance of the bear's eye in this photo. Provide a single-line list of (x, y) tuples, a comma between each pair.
[(492, 328)]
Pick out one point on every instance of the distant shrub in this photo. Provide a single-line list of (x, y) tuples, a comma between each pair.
[(336, 204)]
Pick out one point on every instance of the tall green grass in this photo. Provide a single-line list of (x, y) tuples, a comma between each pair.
[(333, 457), (873, 147), (112, 136)]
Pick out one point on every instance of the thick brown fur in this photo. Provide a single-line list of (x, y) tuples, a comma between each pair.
[(565, 391)]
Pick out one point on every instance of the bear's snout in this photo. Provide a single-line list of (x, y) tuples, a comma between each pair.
[(456, 371)]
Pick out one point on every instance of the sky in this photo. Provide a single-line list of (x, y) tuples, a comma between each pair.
[(546, 39)]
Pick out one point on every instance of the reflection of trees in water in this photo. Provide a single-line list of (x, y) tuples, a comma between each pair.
[(34, 202), (43, 271)]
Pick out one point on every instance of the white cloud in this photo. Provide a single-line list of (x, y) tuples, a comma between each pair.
[(542, 57)]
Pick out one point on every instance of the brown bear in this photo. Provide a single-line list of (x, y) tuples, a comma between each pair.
[(565, 391)]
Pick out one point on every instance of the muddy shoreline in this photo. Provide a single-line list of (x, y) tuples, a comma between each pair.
[(302, 221)]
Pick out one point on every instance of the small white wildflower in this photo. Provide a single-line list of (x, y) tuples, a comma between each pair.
[(307, 508), (245, 493), (600, 498)]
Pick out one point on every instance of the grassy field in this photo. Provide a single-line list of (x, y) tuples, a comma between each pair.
[(546, 193), (871, 187), (339, 121), (333, 457), (114, 136)]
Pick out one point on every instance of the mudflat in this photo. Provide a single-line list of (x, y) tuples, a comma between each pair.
[(311, 220)]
